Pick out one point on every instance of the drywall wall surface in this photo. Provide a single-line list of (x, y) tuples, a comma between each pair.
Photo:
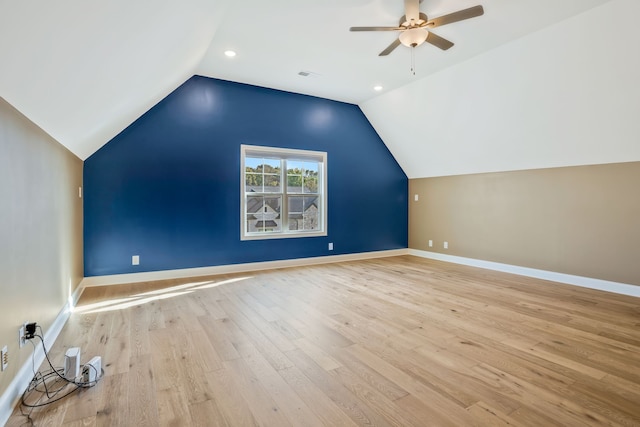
[(582, 220), (567, 95), (167, 189), (40, 230)]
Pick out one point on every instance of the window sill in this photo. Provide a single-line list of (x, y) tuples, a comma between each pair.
[(291, 235)]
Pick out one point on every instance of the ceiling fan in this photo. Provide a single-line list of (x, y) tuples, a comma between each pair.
[(415, 27)]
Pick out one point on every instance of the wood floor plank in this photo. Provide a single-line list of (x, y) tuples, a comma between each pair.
[(139, 342), (374, 399), (85, 422), (143, 401), (173, 408), (391, 341), (319, 402), (113, 407), (227, 396), (263, 407), (290, 404), (223, 347), (382, 384), (349, 403), (207, 414), (545, 401), (485, 415), (255, 337)]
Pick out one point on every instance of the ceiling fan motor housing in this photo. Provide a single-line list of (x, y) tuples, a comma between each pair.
[(405, 23)]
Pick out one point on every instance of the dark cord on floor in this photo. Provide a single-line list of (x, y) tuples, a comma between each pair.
[(50, 386)]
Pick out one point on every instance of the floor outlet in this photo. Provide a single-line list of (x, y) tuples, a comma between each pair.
[(4, 355)]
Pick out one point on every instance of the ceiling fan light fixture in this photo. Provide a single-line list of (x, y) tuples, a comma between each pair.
[(413, 37)]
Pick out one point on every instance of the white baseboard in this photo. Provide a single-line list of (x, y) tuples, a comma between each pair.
[(585, 282), (11, 396), (118, 279)]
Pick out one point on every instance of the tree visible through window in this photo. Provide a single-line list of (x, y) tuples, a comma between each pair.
[(283, 192)]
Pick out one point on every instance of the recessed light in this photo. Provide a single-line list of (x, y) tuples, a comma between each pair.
[(230, 53), (377, 88)]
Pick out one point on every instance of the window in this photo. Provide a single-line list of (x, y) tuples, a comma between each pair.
[(283, 193)]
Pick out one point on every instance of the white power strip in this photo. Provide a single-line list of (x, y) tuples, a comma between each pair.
[(91, 371)]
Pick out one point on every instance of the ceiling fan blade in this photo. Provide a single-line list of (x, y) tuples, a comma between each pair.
[(390, 48), (377, 28), (438, 41), (460, 15), (412, 10)]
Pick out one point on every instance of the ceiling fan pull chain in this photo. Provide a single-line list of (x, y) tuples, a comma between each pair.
[(413, 60)]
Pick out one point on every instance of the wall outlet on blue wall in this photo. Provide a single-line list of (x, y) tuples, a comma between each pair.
[(331, 246), (135, 260)]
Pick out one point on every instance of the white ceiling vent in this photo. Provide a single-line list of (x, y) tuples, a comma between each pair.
[(305, 73)]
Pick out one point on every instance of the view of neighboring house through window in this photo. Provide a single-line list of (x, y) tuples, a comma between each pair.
[(283, 192)]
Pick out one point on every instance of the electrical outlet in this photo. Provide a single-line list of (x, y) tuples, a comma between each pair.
[(30, 330), (331, 246), (446, 245), (4, 357), (135, 260), (430, 243), (22, 340)]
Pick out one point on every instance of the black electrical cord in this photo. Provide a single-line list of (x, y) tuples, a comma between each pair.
[(40, 383)]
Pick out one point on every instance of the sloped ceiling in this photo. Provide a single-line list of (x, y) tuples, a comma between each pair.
[(567, 95), (85, 69)]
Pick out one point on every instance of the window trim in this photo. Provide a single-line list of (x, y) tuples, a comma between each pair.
[(284, 154)]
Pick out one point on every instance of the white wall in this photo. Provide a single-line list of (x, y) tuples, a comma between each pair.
[(566, 95)]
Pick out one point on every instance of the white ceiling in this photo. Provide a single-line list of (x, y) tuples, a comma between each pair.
[(288, 36), (83, 70)]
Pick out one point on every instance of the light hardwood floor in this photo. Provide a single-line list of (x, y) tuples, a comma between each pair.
[(398, 341)]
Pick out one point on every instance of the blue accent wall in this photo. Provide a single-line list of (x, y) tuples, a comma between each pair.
[(167, 188)]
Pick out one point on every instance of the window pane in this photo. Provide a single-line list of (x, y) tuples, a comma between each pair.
[(253, 164), (253, 183), (262, 175), (295, 170), (310, 178), (272, 183), (294, 184), (303, 213), (263, 214)]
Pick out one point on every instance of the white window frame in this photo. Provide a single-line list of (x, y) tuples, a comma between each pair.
[(284, 154)]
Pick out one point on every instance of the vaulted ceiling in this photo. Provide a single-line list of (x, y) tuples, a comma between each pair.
[(83, 70)]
